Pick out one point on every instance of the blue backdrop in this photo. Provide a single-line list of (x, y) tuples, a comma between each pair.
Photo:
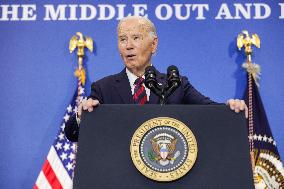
[(37, 81)]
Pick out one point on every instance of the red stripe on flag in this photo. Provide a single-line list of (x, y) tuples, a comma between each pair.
[(51, 176), (35, 187)]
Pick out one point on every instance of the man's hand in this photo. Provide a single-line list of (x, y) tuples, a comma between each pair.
[(238, 105), (87, 105)]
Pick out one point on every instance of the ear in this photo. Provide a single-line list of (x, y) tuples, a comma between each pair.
[(154, 45)]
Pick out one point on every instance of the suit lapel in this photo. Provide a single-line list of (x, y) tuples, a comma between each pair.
[(122, 86)]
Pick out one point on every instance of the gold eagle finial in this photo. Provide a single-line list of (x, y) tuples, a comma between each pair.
[(77, 41), (244, 40)]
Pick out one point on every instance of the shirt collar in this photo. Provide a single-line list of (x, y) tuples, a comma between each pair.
[(131, 77)]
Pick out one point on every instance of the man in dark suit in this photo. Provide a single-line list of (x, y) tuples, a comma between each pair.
[(137, 41)]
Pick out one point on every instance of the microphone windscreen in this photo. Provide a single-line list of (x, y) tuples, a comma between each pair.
[(150, 77), (150, 69), (172, 69)]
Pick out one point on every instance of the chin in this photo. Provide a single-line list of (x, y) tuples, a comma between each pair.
[(131, 65)]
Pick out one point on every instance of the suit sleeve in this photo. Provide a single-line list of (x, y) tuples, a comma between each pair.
[(71, 127), (96, 92), (193, 96)]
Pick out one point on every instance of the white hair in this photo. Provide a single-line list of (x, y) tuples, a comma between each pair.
[(150, 27)]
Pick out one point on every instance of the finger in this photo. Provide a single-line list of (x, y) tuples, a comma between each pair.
[(95, 102), (237, 104), (90, 102), (231, 103), (242, 105), (85, 107), (84, 104), (90, 109), (80, 109)]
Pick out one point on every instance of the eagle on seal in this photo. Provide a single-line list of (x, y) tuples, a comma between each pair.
[(163, 150)]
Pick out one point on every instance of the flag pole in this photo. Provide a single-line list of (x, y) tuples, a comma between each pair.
[(244, 40), (77, 41)]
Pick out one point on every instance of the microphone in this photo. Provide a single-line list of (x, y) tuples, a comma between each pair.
[(173, 80), (151, 80), (173, 76)]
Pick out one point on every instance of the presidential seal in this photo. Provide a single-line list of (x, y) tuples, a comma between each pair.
[(163, 149)]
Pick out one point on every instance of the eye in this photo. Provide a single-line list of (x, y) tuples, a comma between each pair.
[(122, 39), (136, 38)]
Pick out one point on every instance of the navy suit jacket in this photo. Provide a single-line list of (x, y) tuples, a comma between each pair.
[(115, 89)]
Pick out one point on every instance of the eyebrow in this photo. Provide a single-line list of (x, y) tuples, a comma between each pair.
[(137, 35), (133, 35)]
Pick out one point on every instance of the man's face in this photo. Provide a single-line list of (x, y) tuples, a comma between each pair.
[(135, 45)]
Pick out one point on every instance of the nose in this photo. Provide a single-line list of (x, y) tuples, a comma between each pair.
[(129, 44)]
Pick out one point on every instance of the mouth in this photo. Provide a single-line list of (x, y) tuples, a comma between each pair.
[(130, 56)]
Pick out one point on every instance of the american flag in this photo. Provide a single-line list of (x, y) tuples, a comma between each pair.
[(267, 166), (58, 169)]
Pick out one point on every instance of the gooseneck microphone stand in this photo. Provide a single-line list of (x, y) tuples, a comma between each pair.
[(173, 82)]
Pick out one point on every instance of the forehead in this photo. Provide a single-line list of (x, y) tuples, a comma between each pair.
[(133, 26)]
